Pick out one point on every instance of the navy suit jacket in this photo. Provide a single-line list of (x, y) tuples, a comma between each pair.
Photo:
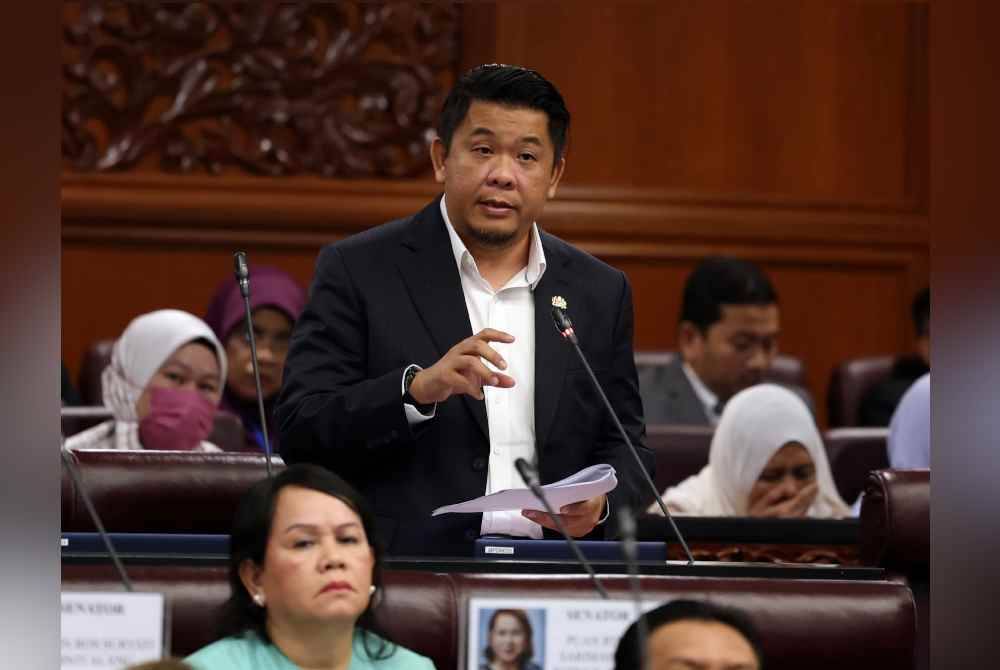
[(392, 296)]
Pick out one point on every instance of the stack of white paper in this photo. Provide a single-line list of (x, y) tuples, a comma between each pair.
[(585, 484)]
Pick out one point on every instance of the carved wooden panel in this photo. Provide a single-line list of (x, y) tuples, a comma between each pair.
[(846, 555), (330, 89)]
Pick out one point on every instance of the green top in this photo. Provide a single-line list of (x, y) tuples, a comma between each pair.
[(249, 652)]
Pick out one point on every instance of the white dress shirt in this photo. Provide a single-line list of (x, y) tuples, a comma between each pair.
[(705, 395), (510, 412)]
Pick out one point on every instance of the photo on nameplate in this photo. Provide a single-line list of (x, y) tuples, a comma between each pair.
[(547, 633)]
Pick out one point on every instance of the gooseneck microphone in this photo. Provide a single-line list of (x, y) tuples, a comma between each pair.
[(530, 478), (630, 552), (243, 279), (565, 328), (74, 474)]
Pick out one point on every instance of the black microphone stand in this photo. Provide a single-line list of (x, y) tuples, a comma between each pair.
[(95, 517), (243, 279), (565, 328), (531, 479), (630, 552)]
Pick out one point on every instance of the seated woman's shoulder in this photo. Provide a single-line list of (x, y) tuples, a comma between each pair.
[(400, 659), (237, 652)]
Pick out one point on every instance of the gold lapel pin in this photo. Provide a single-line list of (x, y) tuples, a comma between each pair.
[(559, 301)]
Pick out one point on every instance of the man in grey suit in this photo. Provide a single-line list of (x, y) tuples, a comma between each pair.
[(727, 339)]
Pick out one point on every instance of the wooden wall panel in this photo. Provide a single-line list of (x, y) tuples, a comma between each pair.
[(801, 101)]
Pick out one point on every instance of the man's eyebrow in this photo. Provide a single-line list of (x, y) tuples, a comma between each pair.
[(479, 131)]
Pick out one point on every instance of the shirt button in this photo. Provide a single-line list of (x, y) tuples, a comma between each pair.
[(479, 464)]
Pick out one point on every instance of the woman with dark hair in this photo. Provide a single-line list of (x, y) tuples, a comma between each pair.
[(510, 645), (304, 573), (276, 301)]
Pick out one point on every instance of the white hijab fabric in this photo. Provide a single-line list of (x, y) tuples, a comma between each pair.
[(910, 428), (754, 425), (147, 342)]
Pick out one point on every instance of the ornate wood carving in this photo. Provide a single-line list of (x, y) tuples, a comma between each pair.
[(848, 555), (330, 89)]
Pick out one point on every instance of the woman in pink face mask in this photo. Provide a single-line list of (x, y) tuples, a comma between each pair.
[(163, 386)]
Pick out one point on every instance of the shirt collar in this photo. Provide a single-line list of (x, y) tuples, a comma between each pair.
[(705, 395), (533, 271)]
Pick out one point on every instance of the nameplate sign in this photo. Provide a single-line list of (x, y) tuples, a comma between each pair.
[(111, 630), (548, 633)]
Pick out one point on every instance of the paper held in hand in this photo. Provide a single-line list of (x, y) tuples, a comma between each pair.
[(585, 484)]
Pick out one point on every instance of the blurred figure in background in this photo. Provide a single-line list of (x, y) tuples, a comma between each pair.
[(881, 400), (692, 635), (910, 428), (162, 386), (276, 300), (727, 339), (70, 396), (767, 459)]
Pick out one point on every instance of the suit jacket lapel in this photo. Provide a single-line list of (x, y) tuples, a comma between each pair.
[(431, 277), (552, 352)]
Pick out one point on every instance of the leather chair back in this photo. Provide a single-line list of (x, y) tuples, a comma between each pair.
[(849, 383), (895, 535), (680, 451), (160, 491), (816, 624), (896, 521), (853, 453), (95, 359)]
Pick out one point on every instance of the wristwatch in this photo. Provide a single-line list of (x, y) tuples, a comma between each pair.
[(408, 399)]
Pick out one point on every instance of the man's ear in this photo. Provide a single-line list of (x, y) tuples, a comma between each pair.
[(690, 341), (250, 574), (438, 154), (557, 173)]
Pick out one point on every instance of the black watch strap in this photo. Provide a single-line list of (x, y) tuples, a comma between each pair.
[(408, 399)]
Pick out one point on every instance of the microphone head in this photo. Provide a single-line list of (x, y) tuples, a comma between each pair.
[(559, 316), (242, 272), (526, 471), (240, 265)]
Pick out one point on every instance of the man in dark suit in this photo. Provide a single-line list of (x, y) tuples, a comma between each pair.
[(426, 361), (727, 337)]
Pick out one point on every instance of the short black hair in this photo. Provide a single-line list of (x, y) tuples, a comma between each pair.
[(627, 654), (721, 280), (921, 310), (248, 541), (509, 85)]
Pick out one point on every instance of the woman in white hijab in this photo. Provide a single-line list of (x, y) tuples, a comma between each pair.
[(766, 459), (163, 386)]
